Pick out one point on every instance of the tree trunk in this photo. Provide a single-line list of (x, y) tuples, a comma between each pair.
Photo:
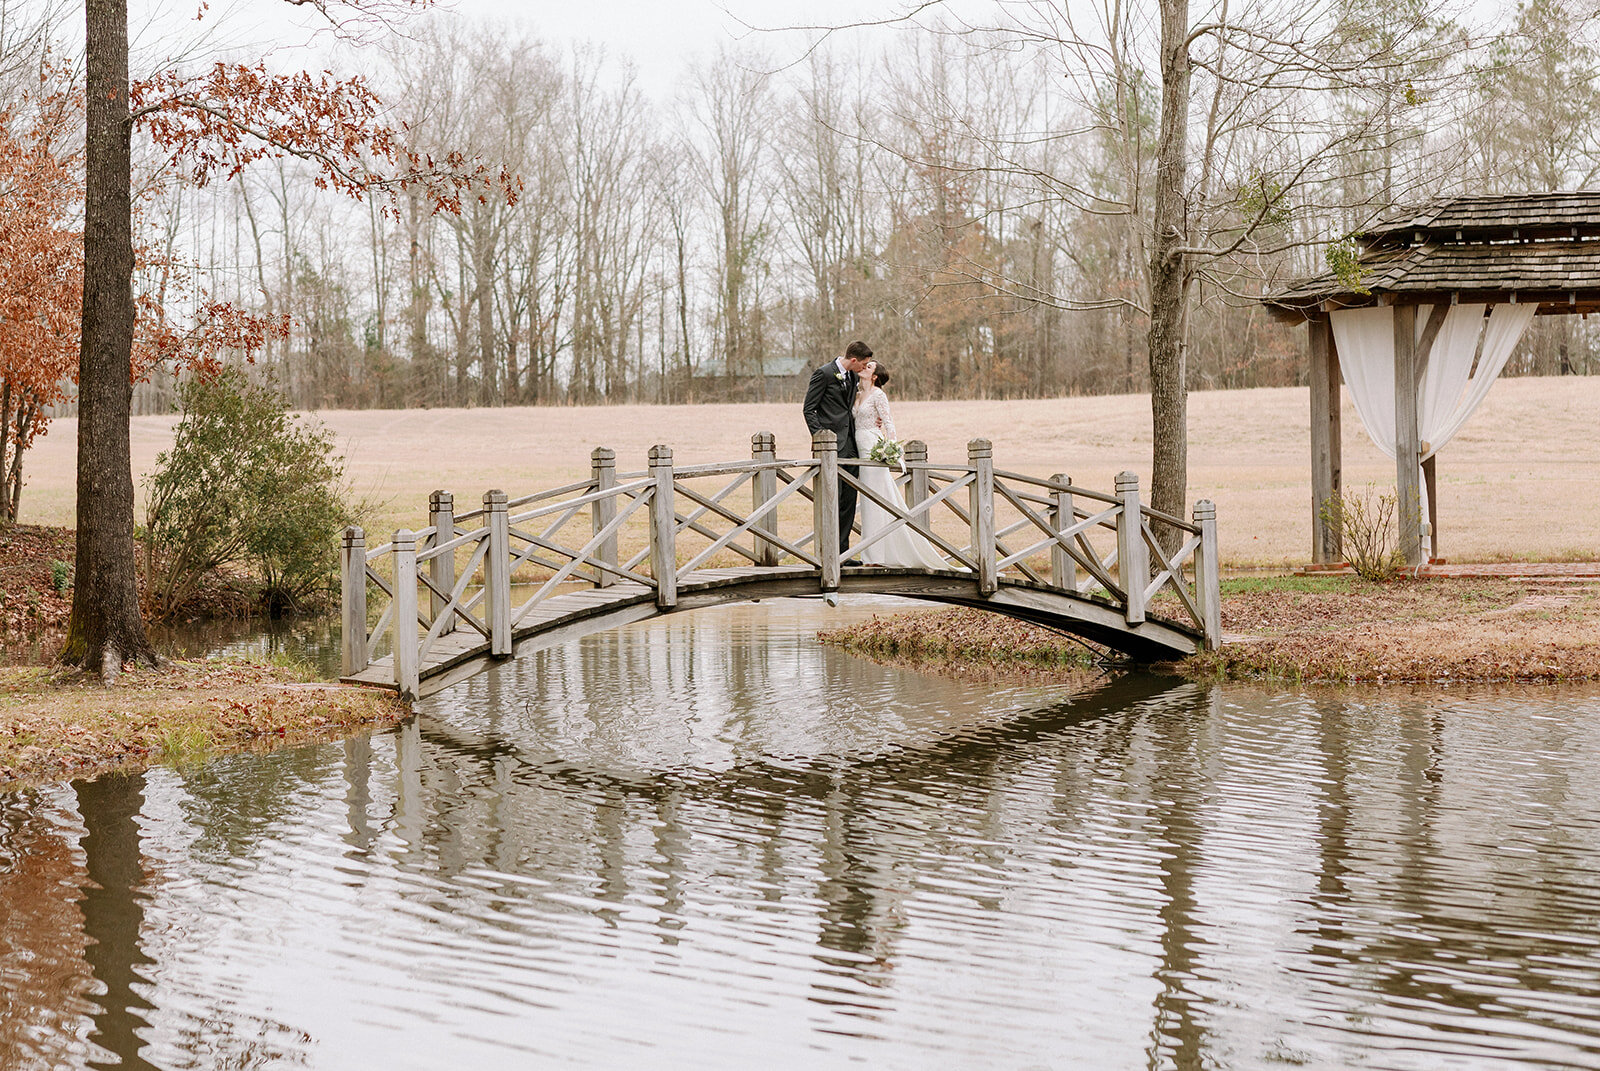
[(483, 244), (105, 629), (1169, 273)]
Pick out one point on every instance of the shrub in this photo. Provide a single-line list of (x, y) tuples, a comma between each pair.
[(60, 576), (1366, 526), (245, 486)]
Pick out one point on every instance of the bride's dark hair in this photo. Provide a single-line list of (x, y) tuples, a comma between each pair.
[(880, 376)]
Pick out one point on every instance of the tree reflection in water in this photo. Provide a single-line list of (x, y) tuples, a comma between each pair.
[(719, 842), (113, 914)]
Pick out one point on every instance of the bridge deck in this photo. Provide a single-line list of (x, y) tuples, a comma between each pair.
[(562, 618)]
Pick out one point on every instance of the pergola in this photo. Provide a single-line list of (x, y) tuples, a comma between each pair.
[(1444, 293)]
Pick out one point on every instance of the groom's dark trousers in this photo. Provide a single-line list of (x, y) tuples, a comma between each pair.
[(829, 402)]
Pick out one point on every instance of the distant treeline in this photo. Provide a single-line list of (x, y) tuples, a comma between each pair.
[(976, 210)]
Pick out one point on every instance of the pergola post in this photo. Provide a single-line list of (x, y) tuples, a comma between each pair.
[(1327, 542), (1407, 439)]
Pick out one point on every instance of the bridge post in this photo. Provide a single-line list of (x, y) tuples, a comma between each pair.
[(663, 528), (603, 469), (1208, 574), (1133, 557), (497, 573), (353, 602), (980, 455), (405, 612), (825, 506), (1063, 515), (916, 453), (764, 486), (442, 567)]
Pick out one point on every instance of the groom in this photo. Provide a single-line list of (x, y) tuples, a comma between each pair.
[(830, 397)]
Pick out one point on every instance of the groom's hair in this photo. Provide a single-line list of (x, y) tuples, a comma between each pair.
[(858, 351)]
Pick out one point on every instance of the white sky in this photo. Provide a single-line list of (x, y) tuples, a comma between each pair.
[(659, 36)]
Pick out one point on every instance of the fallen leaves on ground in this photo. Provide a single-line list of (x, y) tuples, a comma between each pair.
[(1434, 630), (1335, 630), (55, 724), (970, 644)]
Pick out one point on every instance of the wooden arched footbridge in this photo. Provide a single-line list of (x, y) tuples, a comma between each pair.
[(528, 572)]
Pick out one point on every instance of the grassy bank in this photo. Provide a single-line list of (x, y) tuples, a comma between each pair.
[(54, 726), (1326, 629)]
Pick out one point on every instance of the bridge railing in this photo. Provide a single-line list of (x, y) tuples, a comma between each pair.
[(654, 527)]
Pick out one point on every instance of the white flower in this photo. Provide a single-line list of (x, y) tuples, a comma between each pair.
[(839, 376), (890, 452)]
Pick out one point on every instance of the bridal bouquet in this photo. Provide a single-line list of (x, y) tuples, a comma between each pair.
[(889, 451)]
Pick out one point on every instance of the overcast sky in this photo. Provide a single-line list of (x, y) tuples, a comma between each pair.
[(657, 35)]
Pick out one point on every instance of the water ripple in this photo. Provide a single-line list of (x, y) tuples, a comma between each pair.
[(706, 840)]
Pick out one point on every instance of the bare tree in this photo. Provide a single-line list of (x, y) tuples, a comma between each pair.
[(731, 115)]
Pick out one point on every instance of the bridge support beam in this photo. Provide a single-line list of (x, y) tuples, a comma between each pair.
[(497, 573), (1133, 557), (1208, 574), (603, 470), (980, 456), (764, 486), (353, 654), (663, 528), (1063, 515), (405, 613), (442, 567), (825, 505)]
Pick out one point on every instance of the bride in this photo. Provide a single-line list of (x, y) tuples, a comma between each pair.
[(903, 547)]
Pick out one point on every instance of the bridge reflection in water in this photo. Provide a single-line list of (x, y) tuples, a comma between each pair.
[(703, 839), (1103, 566)]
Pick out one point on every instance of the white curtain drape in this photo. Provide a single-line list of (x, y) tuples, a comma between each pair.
[(1451, 388)]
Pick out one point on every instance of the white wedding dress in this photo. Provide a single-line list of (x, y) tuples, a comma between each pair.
[(903, 548)]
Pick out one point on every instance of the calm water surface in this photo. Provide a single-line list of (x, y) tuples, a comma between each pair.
[(709, 842)]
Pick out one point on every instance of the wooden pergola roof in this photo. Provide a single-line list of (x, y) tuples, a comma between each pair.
[(1542, 248)]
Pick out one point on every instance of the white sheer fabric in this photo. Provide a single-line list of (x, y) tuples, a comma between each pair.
[(1451, 388)]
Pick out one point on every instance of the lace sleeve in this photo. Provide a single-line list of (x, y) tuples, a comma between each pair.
[(880, 413)]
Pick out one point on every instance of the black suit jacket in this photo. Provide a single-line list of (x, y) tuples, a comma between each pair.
[(829, 404)]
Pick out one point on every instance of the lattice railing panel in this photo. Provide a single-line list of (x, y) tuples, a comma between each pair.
[(489, 571)]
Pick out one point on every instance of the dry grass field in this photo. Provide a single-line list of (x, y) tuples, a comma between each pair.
[(1522, 481)]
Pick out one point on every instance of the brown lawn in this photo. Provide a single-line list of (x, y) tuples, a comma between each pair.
[(1522, 481)]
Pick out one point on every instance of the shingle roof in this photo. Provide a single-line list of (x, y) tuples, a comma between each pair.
[(1566, 215), (1549, 267), (1540, 247)]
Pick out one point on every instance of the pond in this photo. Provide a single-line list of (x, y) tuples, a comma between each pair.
[(708, 841)]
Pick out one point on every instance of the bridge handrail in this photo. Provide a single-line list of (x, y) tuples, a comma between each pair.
[(1021, 528), (437, 549), (1057, 485), (590, 497)]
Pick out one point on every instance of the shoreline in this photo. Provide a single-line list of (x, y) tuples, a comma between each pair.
[(1305, 629), (1287, 629), (58, 725)]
